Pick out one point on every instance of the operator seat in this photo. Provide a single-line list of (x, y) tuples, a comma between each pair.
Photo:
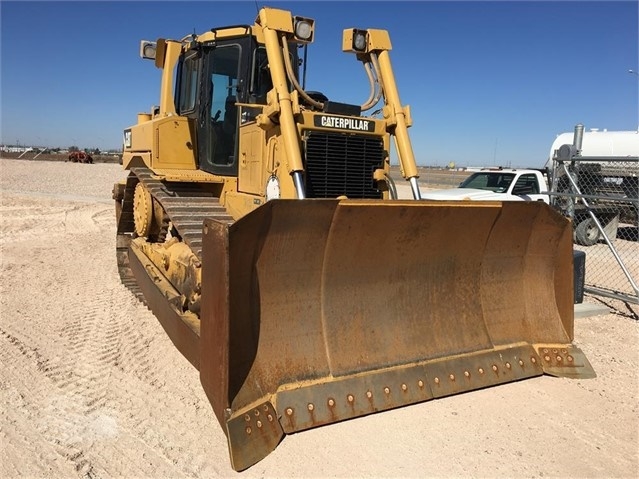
[(226, 145), (230, 116)]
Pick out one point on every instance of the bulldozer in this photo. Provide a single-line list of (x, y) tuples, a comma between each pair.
[(261, 225), (80, 157)]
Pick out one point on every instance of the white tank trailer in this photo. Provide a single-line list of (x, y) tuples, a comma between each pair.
[(604, 143), (604, 166)]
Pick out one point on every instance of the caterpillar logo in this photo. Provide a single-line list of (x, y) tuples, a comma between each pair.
[(342, 123)]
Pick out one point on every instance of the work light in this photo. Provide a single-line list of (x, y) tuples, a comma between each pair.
[(304, 29), (147, 50), (359, 40)]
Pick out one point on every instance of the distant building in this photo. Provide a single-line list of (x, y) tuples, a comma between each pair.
[(14, 149)]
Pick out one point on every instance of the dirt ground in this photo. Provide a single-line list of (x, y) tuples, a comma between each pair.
[(91, 387)]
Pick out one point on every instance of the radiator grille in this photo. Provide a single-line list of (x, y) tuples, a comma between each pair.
[(342, 164)]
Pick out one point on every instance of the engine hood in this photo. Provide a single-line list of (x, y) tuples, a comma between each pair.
[(468, 194)]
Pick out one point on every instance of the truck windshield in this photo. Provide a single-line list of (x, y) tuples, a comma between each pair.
[(492, 181)]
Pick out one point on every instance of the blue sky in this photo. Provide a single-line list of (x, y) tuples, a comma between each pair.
[(488, 82)]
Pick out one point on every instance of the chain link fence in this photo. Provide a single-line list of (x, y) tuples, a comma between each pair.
[(601, 196)]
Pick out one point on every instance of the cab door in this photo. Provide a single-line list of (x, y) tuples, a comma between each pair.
[(221, 88), (528, 188)]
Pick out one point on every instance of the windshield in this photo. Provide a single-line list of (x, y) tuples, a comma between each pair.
[(491, 181), (261, 81)]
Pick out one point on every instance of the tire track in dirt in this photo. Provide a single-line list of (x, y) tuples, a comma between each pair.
[(27, 399), (104, 218), (61, 419), (106, 359), (96, 344), (99, 390), (27, 223), (34, 220), (18, 441), (89, 342), (79, 414)]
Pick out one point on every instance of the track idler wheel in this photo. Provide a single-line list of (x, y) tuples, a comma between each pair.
[(150, 220), (142, 210)]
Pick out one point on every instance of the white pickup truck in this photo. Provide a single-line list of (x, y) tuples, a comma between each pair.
[(497, 184)]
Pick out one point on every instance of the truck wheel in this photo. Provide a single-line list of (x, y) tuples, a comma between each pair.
[(586, 233)]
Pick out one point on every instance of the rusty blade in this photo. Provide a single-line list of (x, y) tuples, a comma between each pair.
[(310, 301), (564, 361)]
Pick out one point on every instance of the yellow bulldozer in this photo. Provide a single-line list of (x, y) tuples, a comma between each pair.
[(261, 225)]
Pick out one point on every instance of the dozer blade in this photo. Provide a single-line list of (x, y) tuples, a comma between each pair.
[(317, 311)]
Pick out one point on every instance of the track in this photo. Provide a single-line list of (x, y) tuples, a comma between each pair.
[(186, 207)]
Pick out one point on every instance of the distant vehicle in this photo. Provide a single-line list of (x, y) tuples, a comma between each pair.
[(607, 174), (497, 184), (80, 157), (602, 143)]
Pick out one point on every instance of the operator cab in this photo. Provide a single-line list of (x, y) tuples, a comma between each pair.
[(212, 77)]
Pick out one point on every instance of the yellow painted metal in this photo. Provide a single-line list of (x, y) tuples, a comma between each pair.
[(347, 40), (162, 139), (142, 210), (141, 137), (183, 327), (160, 51), (173, 143), (273, 20), (144, 117), (171, 57), (253, 172), (187, 175), (131, 159), (165, 142), (179, 265), (378, 40), (220, 34), (397, 115)]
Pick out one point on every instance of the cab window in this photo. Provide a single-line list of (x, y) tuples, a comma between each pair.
[(187, 83), (222, 81)]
